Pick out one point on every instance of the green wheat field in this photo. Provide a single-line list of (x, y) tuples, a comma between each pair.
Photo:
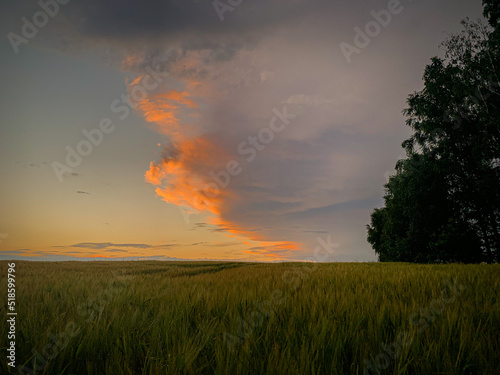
[(246, 318)]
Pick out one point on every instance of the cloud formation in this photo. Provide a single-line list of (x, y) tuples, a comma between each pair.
[(233, 83)]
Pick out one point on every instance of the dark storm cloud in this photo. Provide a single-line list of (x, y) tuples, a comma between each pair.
[(165, 18)]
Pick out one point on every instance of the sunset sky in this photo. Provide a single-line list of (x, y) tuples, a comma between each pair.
[(239, 132)]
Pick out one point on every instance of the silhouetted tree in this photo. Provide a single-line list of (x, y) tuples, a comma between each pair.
[(443, 203), (418, 222)]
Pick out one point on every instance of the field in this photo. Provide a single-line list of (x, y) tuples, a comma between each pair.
[(247, 318)]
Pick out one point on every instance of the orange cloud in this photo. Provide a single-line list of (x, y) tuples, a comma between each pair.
[(261, 245), (161, 108), (182, 176), (132, 60)]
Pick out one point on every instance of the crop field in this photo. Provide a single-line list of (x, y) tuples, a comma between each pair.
[(248, 318)]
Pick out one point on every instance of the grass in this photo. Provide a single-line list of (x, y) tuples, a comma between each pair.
[(243, 318)]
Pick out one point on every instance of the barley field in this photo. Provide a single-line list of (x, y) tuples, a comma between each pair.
[(247, 318)]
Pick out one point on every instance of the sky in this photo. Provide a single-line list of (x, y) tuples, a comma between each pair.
[(222, 130)]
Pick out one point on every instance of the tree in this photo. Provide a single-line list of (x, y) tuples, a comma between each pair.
[(492, 12), (443, 204), (417, 223)]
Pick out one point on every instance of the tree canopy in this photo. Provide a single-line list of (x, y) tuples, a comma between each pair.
[(443, 203)]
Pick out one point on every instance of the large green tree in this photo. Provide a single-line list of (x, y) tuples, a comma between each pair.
[(443, 203)]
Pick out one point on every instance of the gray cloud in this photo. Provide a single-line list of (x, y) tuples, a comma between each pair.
[(103, 245), (14, 252), (358, 204), (153, 19)]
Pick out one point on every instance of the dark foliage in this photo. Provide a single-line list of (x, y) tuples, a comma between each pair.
[(443, 203)]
